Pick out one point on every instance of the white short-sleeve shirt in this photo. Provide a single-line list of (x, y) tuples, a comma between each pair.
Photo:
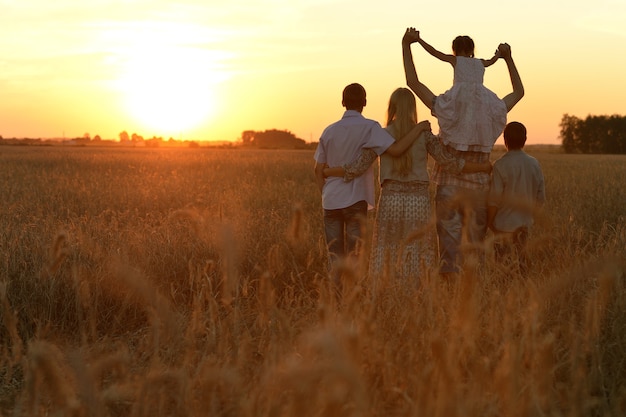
[(340, 144)]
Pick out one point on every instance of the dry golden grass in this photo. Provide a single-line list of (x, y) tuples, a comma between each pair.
[(192, 282)]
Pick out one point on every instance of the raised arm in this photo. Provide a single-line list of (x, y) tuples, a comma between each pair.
[(514, 97), (423, 93), (434, 52), (492, 60)]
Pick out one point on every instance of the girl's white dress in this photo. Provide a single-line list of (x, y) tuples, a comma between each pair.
[(470, 116)]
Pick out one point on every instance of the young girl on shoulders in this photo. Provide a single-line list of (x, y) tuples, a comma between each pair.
[(470, 116)]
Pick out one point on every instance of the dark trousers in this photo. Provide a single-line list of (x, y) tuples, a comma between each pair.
[(343, 230)]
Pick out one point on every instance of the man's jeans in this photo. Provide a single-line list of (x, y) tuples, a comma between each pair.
[(343, 230), (460, 212)]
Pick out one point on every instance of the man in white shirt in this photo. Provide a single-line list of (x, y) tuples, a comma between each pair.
[(346, 204)]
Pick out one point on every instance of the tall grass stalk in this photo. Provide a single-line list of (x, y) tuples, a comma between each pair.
[(175, 282)]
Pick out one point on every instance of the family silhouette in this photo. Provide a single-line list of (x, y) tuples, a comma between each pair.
[(471, 118)]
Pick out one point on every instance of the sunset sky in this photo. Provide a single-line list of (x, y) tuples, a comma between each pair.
[(208, 70)]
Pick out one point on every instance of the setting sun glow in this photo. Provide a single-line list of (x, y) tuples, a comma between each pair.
[(209, 70), (168, 90)]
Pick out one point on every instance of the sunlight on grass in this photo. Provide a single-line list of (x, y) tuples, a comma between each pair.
[(192, 282)]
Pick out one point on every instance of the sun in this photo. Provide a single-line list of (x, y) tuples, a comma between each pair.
[(169, 89)]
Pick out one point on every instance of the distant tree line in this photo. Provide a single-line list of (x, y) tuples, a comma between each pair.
[(595, 134), (272, 139), (133, 140), (267, 139)]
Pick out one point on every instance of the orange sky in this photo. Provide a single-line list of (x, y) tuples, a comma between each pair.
[(208, 70)]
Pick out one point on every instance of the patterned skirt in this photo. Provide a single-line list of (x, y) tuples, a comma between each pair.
[(403, 244)]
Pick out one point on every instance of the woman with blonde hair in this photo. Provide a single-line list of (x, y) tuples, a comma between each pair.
[(404, 242)]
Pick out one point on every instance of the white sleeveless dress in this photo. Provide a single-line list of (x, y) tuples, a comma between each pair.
[(470, 116)]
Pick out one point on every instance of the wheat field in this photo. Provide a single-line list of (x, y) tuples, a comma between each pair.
[(192, 282)]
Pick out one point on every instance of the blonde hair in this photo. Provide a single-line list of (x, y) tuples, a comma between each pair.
[(401, 118)]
